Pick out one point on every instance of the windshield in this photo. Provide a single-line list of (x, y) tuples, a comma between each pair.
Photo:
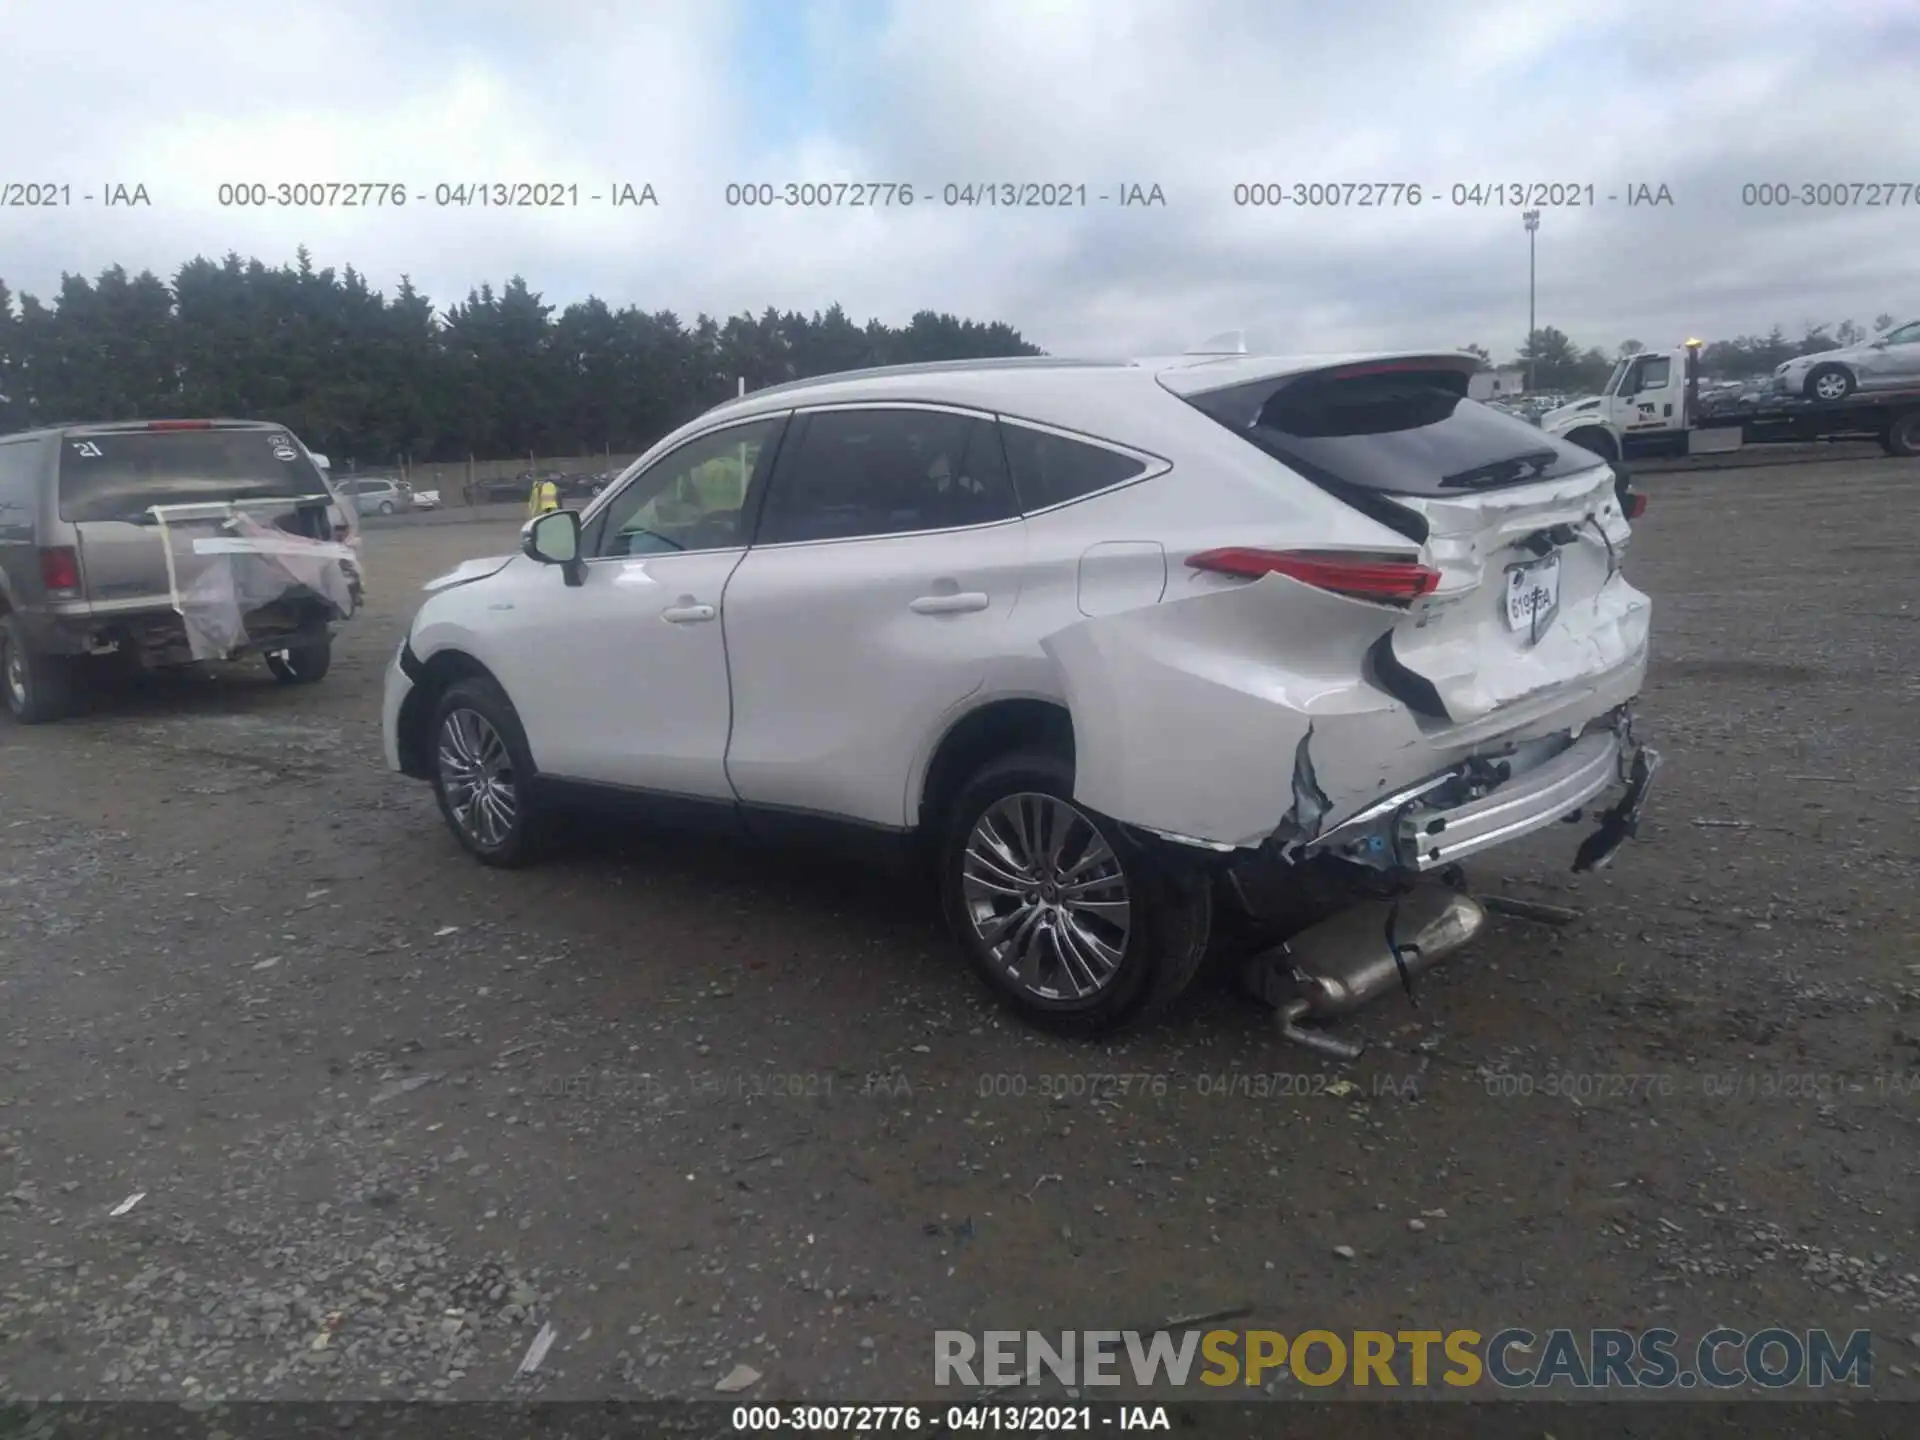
[(118, 474), (1613, 380)]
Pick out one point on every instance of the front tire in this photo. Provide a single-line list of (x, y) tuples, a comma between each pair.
[(481, 773), (37, 688), (302, 665), (1073, 924), (1830, 383), (386, 507)]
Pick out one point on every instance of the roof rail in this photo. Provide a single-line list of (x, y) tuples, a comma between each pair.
[(934, 367)]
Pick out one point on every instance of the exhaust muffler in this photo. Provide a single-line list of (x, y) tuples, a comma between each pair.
[(1351, 959)]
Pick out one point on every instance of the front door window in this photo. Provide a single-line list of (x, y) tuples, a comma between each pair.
[(694, 499)]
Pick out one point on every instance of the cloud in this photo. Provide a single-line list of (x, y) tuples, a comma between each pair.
[(1195, 96)]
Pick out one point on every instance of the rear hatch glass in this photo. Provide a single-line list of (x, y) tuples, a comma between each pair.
[(119, 474), (1398, 433)]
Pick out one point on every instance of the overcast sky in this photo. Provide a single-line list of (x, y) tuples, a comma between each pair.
[(1196, 96)]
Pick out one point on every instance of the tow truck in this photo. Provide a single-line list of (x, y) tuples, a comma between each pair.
[(1651, 406)]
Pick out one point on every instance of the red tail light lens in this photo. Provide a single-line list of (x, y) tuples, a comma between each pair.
[(60, 572), (179, 425), (1383, 579), (1634, 506)]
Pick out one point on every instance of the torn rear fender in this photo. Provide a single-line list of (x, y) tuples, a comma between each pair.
[(1233, 713)]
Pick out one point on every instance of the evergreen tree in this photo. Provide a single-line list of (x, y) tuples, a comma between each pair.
[(367, 377)]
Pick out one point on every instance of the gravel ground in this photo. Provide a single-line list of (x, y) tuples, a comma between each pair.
[(389, 1115)]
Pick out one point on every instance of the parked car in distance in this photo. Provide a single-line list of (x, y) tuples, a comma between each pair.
[(503, 490), (1887, 362), (88, 568), (377, 496), (1277, 620)]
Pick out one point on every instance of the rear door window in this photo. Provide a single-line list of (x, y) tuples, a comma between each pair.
[(1051, 469), (1411, 433), (858, 473), (119, 474)]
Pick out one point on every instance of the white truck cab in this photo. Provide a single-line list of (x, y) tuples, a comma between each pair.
[(1650, 402)]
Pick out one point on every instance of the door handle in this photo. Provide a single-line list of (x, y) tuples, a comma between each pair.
[(686, 614), (961, 604)]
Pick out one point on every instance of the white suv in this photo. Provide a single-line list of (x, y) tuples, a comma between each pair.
[(1096, 639)]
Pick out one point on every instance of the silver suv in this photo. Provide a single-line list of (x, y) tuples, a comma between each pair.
[(377, 497), (165, 542)]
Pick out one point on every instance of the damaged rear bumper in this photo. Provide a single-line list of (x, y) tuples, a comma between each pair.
[(1351, 958), (1461, 812)]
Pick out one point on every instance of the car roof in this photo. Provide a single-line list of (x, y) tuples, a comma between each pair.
[(1013, 383), (106, 427)]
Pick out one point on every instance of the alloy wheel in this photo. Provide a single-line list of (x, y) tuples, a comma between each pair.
[(1831, 386), (476, 776), (1047, 896)]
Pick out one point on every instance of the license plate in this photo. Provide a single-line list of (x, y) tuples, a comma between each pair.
[(1533, 594)]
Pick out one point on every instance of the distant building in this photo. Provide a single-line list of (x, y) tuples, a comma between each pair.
[(1497, 384)]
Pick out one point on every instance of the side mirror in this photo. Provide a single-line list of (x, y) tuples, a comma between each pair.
[(554, 539)]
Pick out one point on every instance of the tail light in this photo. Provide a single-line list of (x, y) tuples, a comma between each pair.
[(1383, 579), (1633, 505), (60, 572)]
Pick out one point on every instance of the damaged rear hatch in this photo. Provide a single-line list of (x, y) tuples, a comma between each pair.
[(1523, 533), (116, 482), (1453, 596)]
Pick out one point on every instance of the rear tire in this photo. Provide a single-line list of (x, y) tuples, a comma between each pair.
[(1903, 435), (481, 769), (37, 688), (1112, 934), (1830, 383), (302, 665)]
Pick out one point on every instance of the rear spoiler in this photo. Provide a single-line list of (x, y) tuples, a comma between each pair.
[(1234, 391)]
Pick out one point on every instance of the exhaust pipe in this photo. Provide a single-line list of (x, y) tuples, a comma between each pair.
[(1348, 961)]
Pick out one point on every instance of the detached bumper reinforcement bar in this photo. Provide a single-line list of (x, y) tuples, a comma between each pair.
[(1621, 823), (1433, 838)]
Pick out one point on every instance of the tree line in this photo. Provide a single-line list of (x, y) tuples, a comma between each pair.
[(369, 378), (1562, 366)]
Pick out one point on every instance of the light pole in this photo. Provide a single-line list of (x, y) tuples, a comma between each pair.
[(1532, 219)]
